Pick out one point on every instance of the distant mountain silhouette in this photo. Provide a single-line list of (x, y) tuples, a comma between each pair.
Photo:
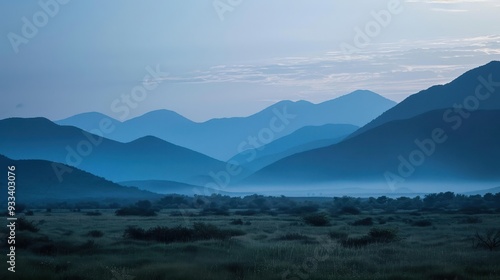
[(306, 138), (88, 121), (38, 182), (470, 153), (226, 137), (147, 158), (463, 89)]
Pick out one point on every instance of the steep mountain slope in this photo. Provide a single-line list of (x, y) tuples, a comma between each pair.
[(480, 84), (465, 149), (306, 138)]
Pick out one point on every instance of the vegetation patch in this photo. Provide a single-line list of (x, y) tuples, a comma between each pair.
[(141, 208), (317, 220), (375, 235), (200, 231), (23, 224)]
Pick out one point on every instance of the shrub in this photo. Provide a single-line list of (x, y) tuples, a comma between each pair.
[(383, 235), (422, 223), (490, 240), (374, 236), (23, 224), (200, 231), (95, 233), (363, 222), (317, 220)]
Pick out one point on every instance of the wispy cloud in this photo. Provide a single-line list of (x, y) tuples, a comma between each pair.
[(400, 68), (452, 6)]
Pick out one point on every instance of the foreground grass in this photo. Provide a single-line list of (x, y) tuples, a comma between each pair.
[(274, 247)]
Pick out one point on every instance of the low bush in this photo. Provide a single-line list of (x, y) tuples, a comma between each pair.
[(489, 240), (374, 236), (383, 235), (200, 231), (317, 220), (363, 222), (350, 210), (23, 224)]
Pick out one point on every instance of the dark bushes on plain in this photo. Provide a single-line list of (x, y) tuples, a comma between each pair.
[(374, 236), (200, 231), (317, 220), (23, 224), (350, 210)]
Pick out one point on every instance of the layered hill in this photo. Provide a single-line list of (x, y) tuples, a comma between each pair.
[(40, 181), (427, 147), (147, 158)]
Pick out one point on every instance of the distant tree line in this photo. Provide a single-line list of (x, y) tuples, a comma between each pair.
[(217, 204)]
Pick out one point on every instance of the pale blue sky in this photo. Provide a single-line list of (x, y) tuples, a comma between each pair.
[(91, 52)]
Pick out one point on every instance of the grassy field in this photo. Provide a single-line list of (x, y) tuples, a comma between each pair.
[(273, 247)]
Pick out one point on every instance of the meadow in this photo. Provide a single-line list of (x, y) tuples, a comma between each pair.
[(92, 244)]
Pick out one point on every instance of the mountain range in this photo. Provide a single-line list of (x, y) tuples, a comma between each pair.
[(447, 134), (413, 141), (147, 158), (224, 138)]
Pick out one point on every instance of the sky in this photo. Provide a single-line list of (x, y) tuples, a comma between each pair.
[(210, 59)]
